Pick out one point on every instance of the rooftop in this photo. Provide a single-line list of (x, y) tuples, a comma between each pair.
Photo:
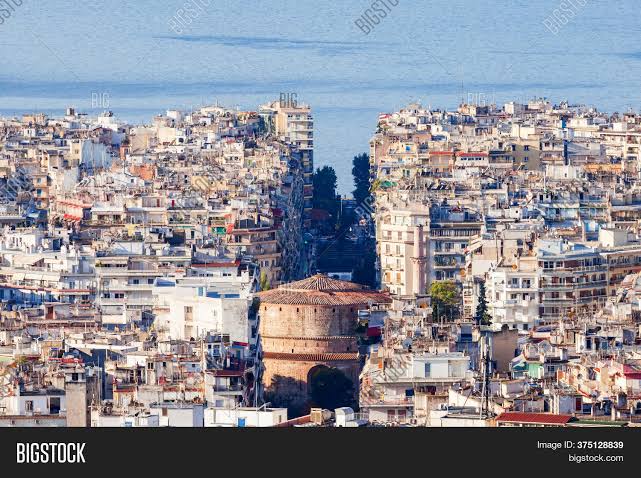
[(322, 290)]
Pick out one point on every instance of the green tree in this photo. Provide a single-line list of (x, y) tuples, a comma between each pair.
[(361, 174), (324, 186), (325, 191), (482, 315), (263, 282), (445, 299)]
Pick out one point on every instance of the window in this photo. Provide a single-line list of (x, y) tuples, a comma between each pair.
[(28, 406), (428, 369), (54, 405)]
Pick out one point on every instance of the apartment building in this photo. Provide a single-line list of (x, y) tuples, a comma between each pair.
[(293, 123), (512, 293), (401, 389), (573, 279)]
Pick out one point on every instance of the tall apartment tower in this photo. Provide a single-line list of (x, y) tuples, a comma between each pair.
[(402, 238), (293, 123)]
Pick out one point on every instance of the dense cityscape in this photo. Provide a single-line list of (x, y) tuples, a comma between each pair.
[(198, 271)]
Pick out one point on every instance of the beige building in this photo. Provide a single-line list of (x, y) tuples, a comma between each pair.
[(402, 248)]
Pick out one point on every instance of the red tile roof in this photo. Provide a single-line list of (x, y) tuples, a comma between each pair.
[(539, 418), (322, 290)]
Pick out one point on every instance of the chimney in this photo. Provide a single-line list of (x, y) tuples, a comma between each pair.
[(419, 261)]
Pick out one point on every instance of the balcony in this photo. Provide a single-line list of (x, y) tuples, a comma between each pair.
[(374, 402), (127, 287), (448, 266), (444, 252), (233, 389), (573, 270), (126, 301)]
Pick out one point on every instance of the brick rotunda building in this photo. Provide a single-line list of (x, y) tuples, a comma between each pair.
[(306, 325)]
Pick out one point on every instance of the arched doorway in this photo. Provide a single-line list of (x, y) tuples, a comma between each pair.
[(329, 388)]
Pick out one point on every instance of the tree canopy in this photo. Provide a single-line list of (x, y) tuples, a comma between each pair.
[(445, 299), (324, 187), (361, 174), (482, 315), (325, 192), (264, 281)]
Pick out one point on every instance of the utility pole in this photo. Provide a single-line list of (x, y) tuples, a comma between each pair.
[(485, 406)]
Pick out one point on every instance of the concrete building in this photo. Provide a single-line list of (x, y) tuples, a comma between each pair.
[(244, 417), (573, 279), (194, 307)]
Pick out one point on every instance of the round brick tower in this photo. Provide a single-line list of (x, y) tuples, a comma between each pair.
[(309, 324)]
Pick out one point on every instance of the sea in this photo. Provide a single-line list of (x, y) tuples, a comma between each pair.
[(349, 60)]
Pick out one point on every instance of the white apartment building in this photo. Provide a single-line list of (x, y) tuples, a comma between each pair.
[(572, 279), (126, 274), (407, 387), (244, 417), (193, 307), (512, 294), (32, 273)]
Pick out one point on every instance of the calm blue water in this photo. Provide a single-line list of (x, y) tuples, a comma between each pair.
[(58, 53)]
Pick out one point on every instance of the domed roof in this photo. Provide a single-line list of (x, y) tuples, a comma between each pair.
[(321, 290)]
